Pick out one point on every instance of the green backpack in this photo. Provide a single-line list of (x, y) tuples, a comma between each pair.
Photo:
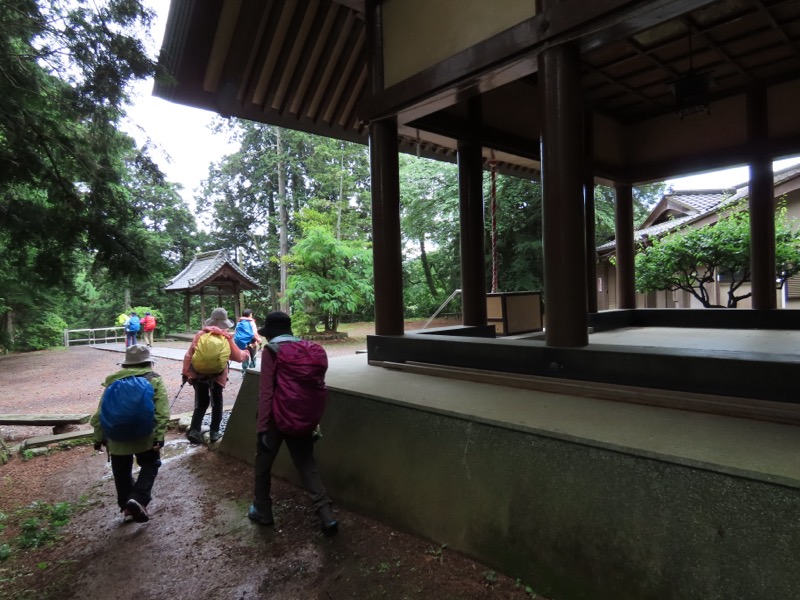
[(211, 354)]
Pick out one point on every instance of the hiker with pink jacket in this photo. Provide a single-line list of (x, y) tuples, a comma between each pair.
[(205, 367), (291, 399)]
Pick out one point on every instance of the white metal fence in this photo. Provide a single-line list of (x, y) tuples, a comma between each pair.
[(101, 335)]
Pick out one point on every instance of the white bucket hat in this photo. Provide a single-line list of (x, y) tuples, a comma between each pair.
[(136, 355), (219, 317)]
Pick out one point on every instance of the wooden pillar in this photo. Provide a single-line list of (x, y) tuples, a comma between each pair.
[(589, 216), (187, 304), (237, 302), (386, 245), (591, 249), (623, 223), (562, 186), (473, 256), (762, 207), (202, 307), (384, 167)]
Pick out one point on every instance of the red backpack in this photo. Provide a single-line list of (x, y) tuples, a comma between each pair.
[(300, 394)]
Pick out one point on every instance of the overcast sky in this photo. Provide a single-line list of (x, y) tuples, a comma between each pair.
[(186, 146)]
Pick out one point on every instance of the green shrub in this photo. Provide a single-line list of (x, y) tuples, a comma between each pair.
[(45, 330), (303, 323)]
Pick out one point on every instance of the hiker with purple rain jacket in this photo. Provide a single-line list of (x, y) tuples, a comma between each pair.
[(291, 400), (131, 421)]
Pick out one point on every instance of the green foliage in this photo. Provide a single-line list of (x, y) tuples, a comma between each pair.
[(85, 216), (644, 198), (44, 330), (64, 66), (692, 259), (304, 323), (328, 277), (241, 196), (429, 226), (38, 525), (520, 265)]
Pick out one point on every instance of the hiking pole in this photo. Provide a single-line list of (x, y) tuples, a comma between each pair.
[(176, 396)]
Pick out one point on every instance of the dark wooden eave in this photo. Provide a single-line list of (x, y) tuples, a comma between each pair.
[(303, 65)]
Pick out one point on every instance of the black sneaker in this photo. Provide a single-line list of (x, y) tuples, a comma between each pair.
[(137, 511), (194, 436), (260, 517), (328, 525), (215, 436)]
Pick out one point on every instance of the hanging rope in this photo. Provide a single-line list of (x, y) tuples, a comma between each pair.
[(493, 166)]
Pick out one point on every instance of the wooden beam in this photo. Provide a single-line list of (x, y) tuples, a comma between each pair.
[(299, 95), (222, 43), (276, 44), (44, 419), (294, 57), (510, 54), (46, 440), (252, 57), (332, 59), (344, 78), (762, 410), (458, 128)]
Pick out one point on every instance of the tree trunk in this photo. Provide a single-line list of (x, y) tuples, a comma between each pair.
[(426, 267), (341, 193), (284, 220), (10, 328), (331, 322)]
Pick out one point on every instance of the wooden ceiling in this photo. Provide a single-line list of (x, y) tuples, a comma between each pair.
[(302, 64), (738, 43)]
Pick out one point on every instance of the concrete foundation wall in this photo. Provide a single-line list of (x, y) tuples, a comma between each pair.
[(574, 519)]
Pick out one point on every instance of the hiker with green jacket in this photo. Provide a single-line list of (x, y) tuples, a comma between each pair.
[(133, 423)]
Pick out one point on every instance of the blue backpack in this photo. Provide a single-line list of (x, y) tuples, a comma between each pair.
[(127, 411), (133, 324), (242, 335)]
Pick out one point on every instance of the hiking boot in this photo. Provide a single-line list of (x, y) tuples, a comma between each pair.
[(328, 525), (137, 511), (260, 517), (194, 436), (215, 436)]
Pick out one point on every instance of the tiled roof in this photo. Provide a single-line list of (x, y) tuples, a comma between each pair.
[(203, 268), (654, 230), (699, 203)]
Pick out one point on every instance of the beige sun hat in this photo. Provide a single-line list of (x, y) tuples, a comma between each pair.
[(136, 355), (219, 317)]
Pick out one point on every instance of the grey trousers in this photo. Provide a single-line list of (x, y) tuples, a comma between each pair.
[(301, 448)]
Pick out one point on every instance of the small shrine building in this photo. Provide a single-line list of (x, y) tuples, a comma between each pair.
[(211, 273)]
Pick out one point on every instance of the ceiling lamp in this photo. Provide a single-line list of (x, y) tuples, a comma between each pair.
[(691, 90)]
